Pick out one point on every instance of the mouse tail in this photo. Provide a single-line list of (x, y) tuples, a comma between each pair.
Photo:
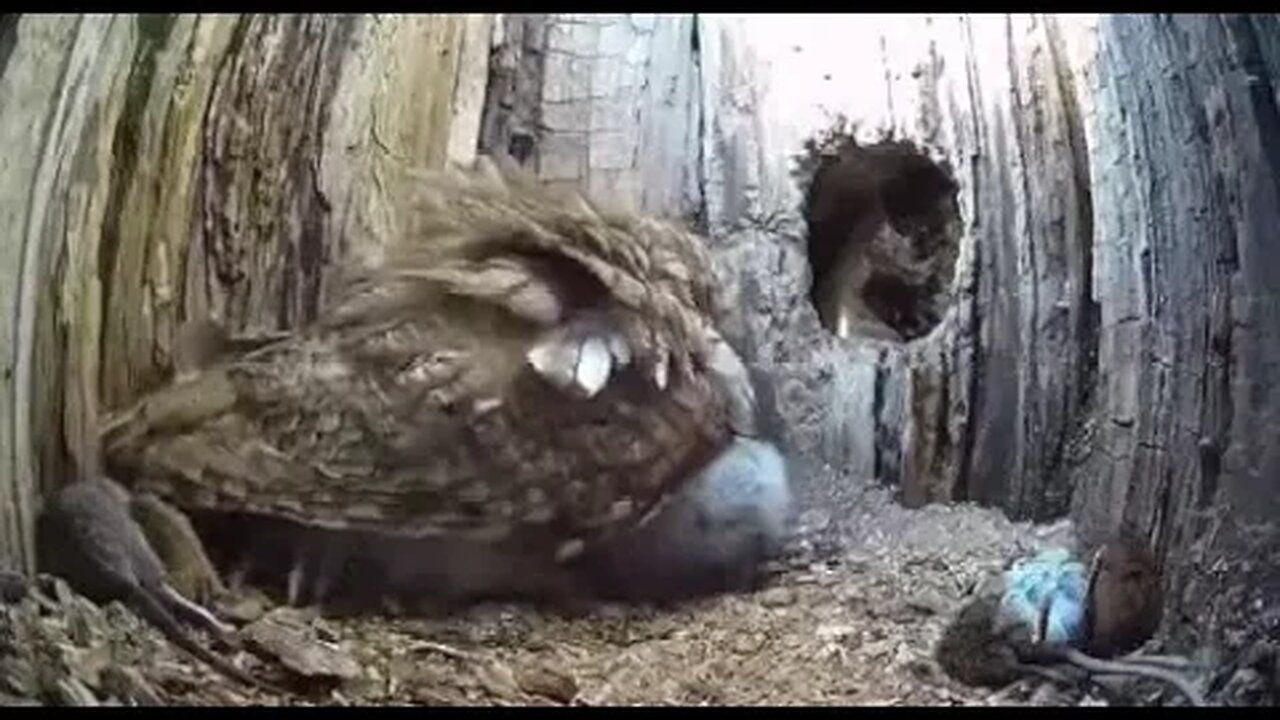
[(153, 610), (193, 613), (1098, 666)]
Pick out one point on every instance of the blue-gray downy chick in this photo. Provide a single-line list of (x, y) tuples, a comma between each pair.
[(1051, 610), (713, 537), (1050, 588), (989, 642)]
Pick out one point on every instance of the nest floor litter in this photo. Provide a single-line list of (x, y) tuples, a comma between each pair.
[(850, 617)]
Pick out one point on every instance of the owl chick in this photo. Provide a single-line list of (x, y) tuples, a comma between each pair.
[(712, 536)]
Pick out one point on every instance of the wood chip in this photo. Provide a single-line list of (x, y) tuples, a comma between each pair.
[(499, 681), (446, 650), (13, 587), (548, 682), (128, 684), (298, 650)]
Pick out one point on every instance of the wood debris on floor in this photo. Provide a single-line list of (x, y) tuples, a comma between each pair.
[(851, 618)]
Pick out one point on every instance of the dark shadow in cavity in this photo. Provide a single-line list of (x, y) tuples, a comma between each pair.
[(883, 228)]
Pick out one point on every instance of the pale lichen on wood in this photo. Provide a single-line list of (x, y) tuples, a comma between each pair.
[(82, 56)]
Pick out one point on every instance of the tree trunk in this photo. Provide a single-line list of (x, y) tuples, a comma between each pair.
[(1110, 327), (1109, 345), (170, 167)]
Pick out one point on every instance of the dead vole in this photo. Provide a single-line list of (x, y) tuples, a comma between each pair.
[(87, 537), (171, 535), (973, 653), (1126, 598)]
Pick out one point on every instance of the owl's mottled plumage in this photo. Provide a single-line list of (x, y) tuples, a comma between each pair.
[(516, 364)]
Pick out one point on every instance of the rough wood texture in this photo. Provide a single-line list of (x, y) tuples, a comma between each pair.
[(1185, 146), (259, 185), (1111, 341), (606, 103), (130, 128), (994, 390), (67, 74), (1110, 348)]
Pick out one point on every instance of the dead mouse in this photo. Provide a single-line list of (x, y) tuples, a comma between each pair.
[(87, 537), (1126, 598)]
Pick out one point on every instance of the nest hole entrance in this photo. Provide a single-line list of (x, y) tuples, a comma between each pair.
[(883, 224)]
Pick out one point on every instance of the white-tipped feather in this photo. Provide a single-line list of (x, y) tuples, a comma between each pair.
[(594, 365), (579, 358), (660, 370), (554, 360), (620, 350)]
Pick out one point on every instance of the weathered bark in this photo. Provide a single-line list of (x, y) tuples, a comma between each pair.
[(605, 103), (168, 167), (992, 393), (65, 75), (1106, 346), (1186, 153), (1110, 340)]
